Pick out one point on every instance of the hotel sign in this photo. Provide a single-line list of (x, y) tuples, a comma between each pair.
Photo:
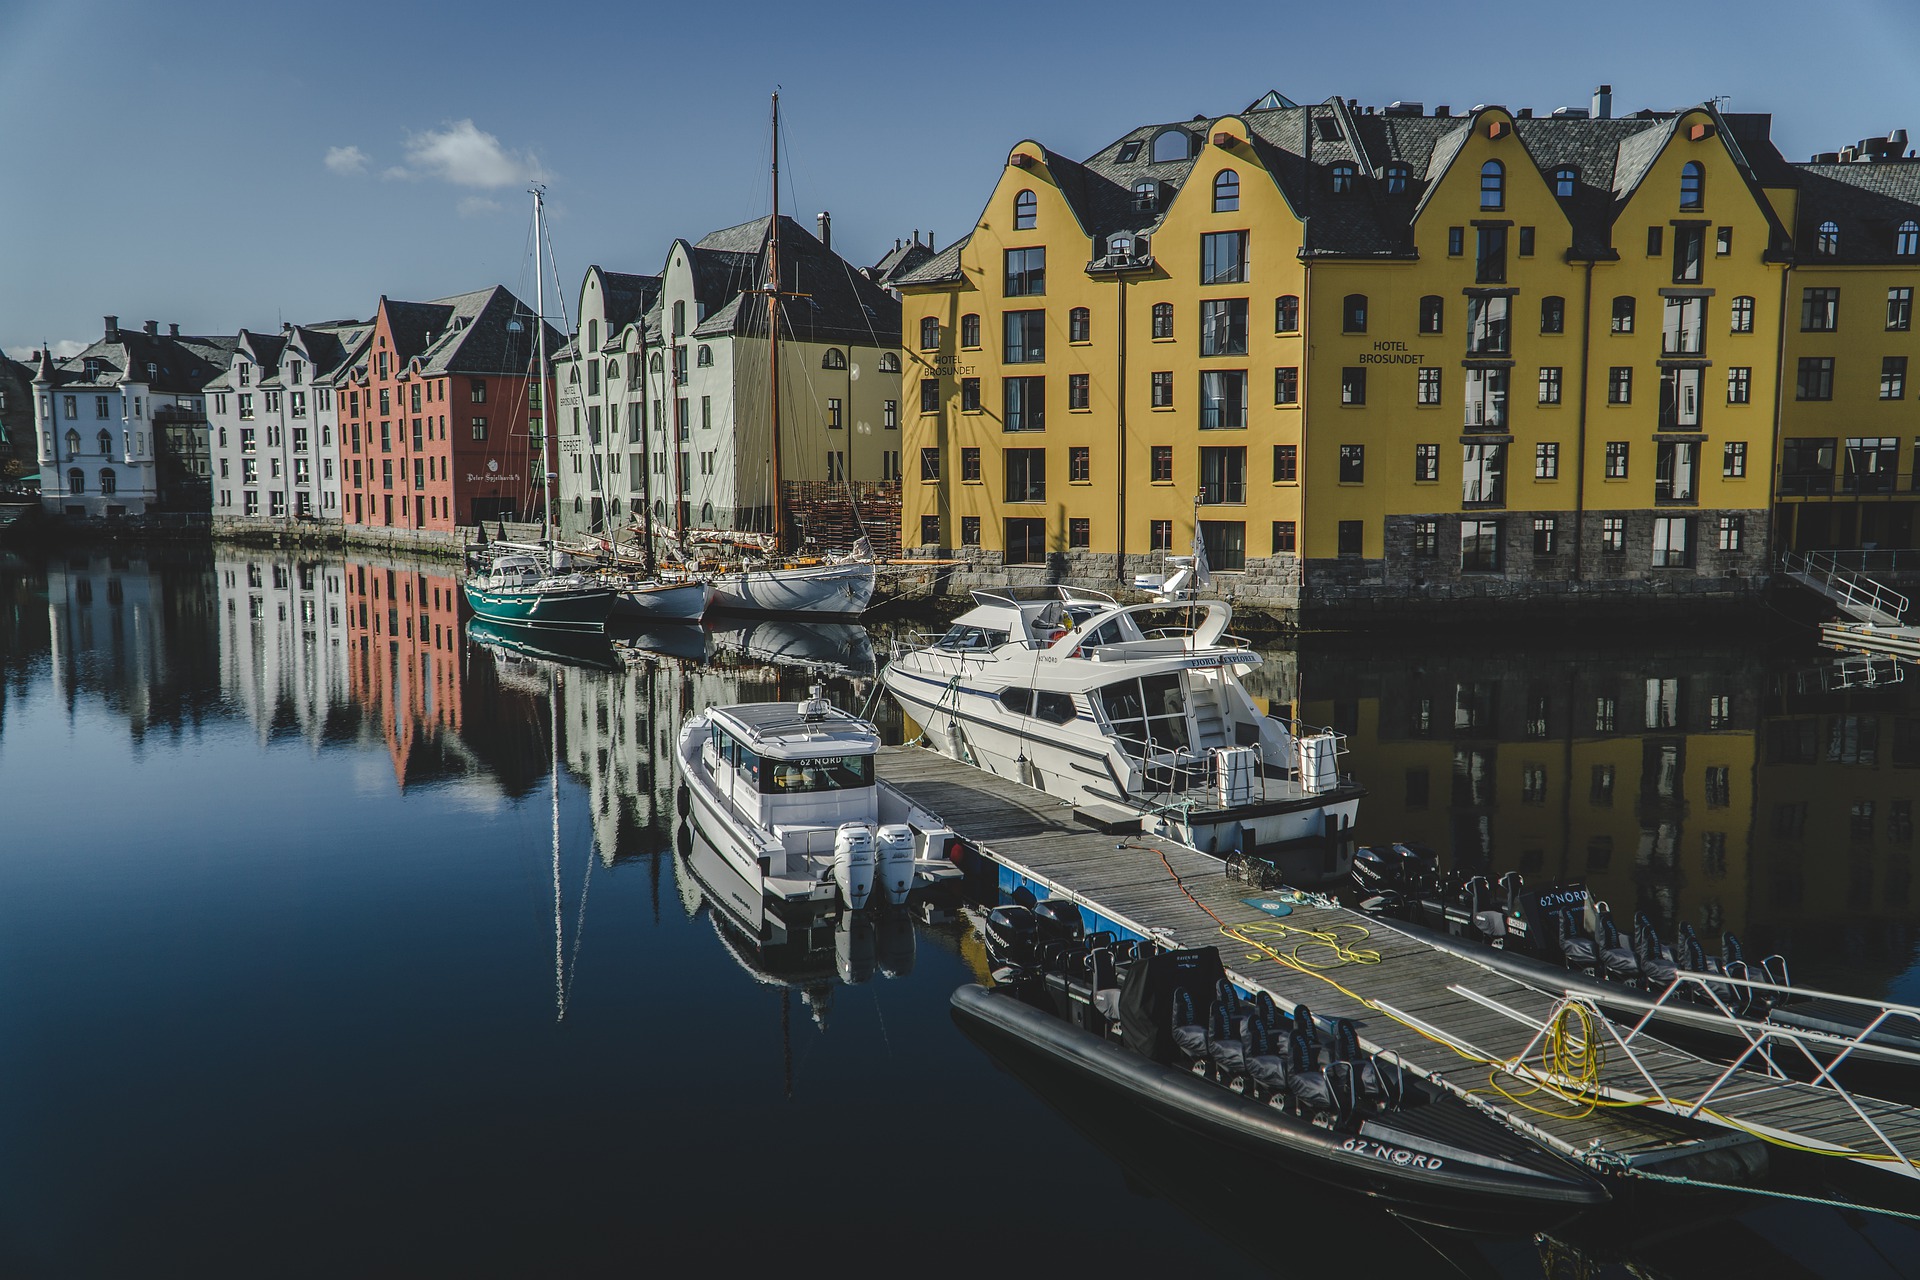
[(1389, 351)]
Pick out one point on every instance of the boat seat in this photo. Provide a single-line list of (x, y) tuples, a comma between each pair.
[(1304, 1034), (1226, 1054), (1658, 968), (1266, 1068), (1261, 1010), (1331, 1092), (1382, 1085), (1189, 1036), (1617, 961), (1576, 948), (1103, 982)]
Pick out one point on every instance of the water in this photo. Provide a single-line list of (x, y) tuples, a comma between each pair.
[(296, 980)]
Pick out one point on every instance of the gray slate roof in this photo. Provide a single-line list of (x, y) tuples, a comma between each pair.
[(1868, 202)]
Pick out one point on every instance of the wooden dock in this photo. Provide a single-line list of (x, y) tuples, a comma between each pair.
[(1443, 1016)]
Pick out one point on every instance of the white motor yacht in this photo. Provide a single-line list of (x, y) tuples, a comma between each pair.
[(786, 793), (1137, 714)]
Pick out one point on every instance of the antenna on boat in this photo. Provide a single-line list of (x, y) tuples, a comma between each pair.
[(816, 706)]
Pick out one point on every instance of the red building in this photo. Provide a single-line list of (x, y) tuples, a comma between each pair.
[(440, 426), (403, 659)]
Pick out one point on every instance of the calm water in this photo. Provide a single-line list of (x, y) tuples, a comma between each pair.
[(295, 978)]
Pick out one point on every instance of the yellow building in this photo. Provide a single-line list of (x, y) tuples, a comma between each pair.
[(1374, 355)]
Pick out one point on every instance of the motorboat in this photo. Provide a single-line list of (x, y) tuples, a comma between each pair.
[(787, 794), (1559, 937), (1167, 1031), (1137, 714), (517, 588)]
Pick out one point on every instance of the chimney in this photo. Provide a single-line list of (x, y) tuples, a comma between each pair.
[(113, 328), (1442, 112), (929, 237), (825, 220), (151, 328), (173, 330), (1603, 102)]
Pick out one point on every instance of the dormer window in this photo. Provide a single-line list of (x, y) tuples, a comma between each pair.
[(1343, 179), (1906, 242), (1396, 179), (1693, 185), (1129, 152), (1827, 239), (1120, 246), (1563, 180), (1493, 185), (153, 371), (1146, 195), (1173, 144), (1026, 211), (1226, 191), (246, 374)]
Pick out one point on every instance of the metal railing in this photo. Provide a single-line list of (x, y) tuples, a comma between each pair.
[(1861, 596)]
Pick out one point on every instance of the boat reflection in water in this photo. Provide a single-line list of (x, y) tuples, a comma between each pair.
[(567, 648), (840, 647)]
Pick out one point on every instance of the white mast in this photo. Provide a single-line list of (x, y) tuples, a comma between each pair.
[(540, 371)]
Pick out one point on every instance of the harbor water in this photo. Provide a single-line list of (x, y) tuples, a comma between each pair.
[(338, 936)]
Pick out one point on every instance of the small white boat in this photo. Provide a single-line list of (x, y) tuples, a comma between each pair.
[(1136, 713), (838, 588), (786, 794), (652, 600)]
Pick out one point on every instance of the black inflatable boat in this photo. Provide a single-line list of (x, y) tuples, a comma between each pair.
[(1166, 1031)]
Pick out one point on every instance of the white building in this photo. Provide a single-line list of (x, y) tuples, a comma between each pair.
[(122, 425), (272, 417), (283, 642)]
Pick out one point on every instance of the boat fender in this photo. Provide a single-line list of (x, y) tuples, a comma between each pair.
[(684, 797)]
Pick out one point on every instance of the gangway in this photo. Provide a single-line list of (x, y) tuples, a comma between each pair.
[(1860, 597)]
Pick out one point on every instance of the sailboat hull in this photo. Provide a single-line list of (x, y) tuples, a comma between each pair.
[(834, 590), (665, 601), (583, 609)]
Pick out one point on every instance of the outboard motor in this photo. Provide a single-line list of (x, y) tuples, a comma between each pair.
[(853, 863), (1013, 942), (1059, 920), (893, 862)]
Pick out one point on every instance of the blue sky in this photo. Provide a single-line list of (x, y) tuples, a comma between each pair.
[(232, 165)]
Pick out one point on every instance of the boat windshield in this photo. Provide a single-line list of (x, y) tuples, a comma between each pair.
[(976, 638), (822, 773), (1148, 713)]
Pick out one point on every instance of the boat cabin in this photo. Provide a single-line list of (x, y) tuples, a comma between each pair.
[(778, 764), (1032, 616)]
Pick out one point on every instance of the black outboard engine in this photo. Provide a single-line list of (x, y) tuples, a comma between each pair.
[(1013, 943), (1059, 920), (1375, 871)]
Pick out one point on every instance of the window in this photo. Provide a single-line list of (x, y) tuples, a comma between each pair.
[(1078, 390), (1815, 378), (1163, 319), (479, 427), (1353, 464), (1026, 541), (1550, 384), (1172, 144), (1162, 389), (1353, 386), (1546, 535), (1526, 242), (929, 333), (1426, 539), (1654, 236), (1616, 460), (1723, 241), (1563, 180), (1079, 464), (1427, 387), (1546, 460), (833, 412), (1026, 334), (1350, 537), (1286, 464), (1160, 464), (1226, 191), (1493, 185), (1223, 399), (1223, 327), (1286, 385), (1486, 400), (1146, 195), (1025, 404), (1286, 313), (1806, 465), (1160, 535), (1613, 536), (929, 531), (109, 484), (1871, 464), (1827, 239), (1733, 459), (1742, 314), (1683, 330), (1893, 377), (1819, 310), (1620, 385), (1489, 330), (889, 362), (1482, 546), (969, 330), (1353, 313), (929, 395), (1223, 257), (1672, 542), (1676, 471), (1456, 241), (1693, 183), (833, 359), (1026, 210), (1223, 475), (929, 464), (1432, 313), (1396, 179), (1553, 315), (1483, 475), (1732, 531), (1426, 463), (1680, 399), (76, 481), (970, 465), (1900, 308), (890, 409), (1343, 179), (1026, 273), (1490, 255), (969, 531), (1623, 314), (1689, 252), (1079, 533), (1739, 385), (1079, 325), (1285, 537)]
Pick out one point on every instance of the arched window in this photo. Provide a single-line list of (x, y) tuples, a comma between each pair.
[(106, 443), (1553, 314), (1163, 319), (1828, 240), (655, 363), (703, 357), (1693, 185), (929, 333), (573, 374), (73, 442), (1120, 246), (1286, 313), (76, 481), (613, 371), (1353, 313), (680, 319), (1906, 242), (1079, 325), (1433, 313), (1226, 191), (1563, 179), (593, 335), (1172, 144), (970, 330), (1026, 211), (578, 505), (889, 362), (1146, 195), (1493, 185), (706, 513), (109, 483), (1343, 177), (834, 359), (1396, 179), (659, 507)]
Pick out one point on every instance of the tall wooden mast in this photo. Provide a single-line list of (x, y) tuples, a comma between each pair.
[(773, 333)]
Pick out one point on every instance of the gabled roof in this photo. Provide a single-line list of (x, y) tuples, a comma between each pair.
[(182, 365), (627, 298), (488, 331), (905, 256), (837, 302), (1866, 202)]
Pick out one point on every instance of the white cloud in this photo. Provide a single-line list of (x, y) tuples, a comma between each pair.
[(476, 206), (466, 156), (65, 349), (346, 160)]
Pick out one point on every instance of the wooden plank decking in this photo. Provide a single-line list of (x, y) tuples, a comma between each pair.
[(1124, 879)]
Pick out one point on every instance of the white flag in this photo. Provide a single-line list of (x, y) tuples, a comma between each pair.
[(1202, 574)]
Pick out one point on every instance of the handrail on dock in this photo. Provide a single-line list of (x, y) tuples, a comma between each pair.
[(1851, 589)]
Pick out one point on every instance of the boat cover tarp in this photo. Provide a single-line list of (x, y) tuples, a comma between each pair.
[(1146, 1001)]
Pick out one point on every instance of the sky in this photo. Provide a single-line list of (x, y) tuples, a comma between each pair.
[(235, 165)]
